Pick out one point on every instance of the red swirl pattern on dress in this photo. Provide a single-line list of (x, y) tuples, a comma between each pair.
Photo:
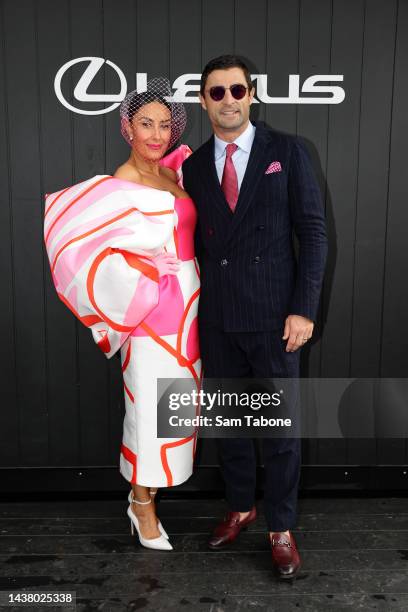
[(101, 236)]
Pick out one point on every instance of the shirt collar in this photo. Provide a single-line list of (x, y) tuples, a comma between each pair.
[(244, 141)]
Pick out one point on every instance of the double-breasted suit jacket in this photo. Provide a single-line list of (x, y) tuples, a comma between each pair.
[(251, 279)]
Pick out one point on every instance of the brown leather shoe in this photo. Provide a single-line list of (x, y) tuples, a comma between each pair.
[(227, 531), (285, 555)]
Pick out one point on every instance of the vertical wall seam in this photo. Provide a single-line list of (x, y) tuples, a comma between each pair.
[(234, 8), (107, 364), (298, 64), (326, 191), (41, 180), (264, 114), (357, 187), (388, 188), (11, 222), (73, 178)]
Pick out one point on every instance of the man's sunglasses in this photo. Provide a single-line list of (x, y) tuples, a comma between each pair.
[(217, 92)]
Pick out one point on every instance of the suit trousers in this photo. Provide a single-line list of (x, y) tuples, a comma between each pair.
[(256, 355)]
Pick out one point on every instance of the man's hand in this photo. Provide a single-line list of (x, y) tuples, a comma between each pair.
[(299, 330)]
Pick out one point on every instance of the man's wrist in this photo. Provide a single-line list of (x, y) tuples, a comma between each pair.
[(299, 314)]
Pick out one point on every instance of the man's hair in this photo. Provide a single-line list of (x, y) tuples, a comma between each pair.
[(223, 62)]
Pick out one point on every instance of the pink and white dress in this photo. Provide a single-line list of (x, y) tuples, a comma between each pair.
[(100, 237)]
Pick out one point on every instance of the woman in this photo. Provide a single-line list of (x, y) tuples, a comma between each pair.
[(121, 252)]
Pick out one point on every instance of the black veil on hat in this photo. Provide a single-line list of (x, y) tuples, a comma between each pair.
[(158, 89)]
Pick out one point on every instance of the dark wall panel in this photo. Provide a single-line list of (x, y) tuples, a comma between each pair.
[(394, 340), (185, 55), (314, 40), (341, 188), (24, 129), (89, 146), (395, 291), (9, 418), (62, 400), (346, 56), (57, 170), (282, 20), (372, 192)]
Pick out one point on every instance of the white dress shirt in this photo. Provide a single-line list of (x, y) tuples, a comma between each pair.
[(241, 155)]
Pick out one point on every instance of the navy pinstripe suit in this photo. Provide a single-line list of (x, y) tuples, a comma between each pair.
[(251, 281)]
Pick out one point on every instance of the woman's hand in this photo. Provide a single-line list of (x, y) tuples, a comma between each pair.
[(167, 263)]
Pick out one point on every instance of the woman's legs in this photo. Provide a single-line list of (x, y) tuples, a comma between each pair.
[(145, 512)]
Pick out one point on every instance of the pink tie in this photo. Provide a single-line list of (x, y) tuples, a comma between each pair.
[(229, 183)]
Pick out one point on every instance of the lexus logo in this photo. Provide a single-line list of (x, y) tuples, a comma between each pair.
[(324, 93)]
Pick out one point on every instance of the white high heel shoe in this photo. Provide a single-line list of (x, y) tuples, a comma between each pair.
[(159, 525), (159, 543)]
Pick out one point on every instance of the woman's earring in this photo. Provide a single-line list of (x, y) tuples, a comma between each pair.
[(131, 137)]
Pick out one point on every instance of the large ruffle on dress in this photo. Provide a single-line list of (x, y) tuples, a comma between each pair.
[(100, 237)]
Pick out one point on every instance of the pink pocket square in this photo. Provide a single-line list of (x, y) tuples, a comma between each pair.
[(273, 167)]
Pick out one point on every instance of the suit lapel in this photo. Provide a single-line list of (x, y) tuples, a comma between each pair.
[(255, 169), (210, 178)]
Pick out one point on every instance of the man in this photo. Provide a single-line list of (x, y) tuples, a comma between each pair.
[(252, 186)]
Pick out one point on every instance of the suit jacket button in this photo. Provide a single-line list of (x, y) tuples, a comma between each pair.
[(257, 259), (210, 231), (224, 262), (261, 227)]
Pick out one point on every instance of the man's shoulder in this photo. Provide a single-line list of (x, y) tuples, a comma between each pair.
[(274, 136), (197, 155)]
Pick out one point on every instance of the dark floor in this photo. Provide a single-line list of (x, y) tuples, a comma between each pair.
[(354, 553)]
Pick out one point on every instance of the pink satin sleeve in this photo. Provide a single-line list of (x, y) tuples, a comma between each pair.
[(101, 259), (100, 236), (175, 160)]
